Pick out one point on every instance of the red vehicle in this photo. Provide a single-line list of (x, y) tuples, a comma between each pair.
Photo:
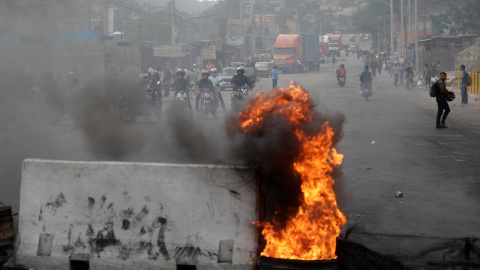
[(323, 51), (294, 52), (335, 45)]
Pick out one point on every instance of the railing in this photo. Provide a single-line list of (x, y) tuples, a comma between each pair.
[(475, 87)]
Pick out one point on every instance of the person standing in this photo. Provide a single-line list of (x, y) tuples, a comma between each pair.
[(409, 77), (401, 73), (442, 104), (427, 73), (373, 66), (274, 77), (433, 69), (395, 73), (463, 85)]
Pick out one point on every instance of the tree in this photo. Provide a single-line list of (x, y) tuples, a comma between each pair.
[(460, 19)]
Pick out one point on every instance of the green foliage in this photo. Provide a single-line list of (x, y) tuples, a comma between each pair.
[(459, 20), (370, 18)]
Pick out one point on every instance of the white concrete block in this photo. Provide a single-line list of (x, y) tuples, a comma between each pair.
[(143, 213)]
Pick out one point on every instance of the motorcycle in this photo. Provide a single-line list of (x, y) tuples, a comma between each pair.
[(346, 53), (238, 95), (366, 90), (181, 103), (208, 103), (130, 108), (342, 80)]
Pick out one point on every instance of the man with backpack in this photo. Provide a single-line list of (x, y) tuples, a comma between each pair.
[(463, 85), (441, 94)]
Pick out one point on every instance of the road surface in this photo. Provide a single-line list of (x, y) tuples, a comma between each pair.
[(390, 144)]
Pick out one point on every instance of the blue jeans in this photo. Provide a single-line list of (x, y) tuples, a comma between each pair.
[(463, 92)]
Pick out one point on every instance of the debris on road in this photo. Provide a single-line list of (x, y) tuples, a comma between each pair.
[(399, 194)]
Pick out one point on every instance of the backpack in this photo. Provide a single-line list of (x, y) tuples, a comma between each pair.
[(469, 80), (434, 90)]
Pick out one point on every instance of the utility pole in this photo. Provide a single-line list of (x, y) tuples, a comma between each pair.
[(409, 31), (172, 22), (242, 49), (417, 56), (392, 29), (252, 34), (402, 39), (89, 6)]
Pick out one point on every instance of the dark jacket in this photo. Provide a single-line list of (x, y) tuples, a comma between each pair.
[(205, 84), (241, 80), (180, 85), (366, 77)]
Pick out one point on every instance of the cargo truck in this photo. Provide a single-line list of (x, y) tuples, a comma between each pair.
[(365, 43), (292, 47), (335, 45)]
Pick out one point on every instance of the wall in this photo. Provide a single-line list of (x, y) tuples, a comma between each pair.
[(468, 57), (444, 50), (135, 215)]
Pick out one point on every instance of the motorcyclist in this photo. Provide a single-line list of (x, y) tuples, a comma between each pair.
[(240, 80), (180, 84), (341, 72), (366, 79), (216, 82), (155, 84), (204, 86)]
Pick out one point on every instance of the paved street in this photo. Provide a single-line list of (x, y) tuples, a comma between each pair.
[(390, 144)]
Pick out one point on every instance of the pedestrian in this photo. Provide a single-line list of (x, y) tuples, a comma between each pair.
[(373, 66), (439, 67), (395, 73), (463, 85), (379, 65), (409, 77), (274, 77), (427, 77), (442, 104), (401, 73), (434, 70)]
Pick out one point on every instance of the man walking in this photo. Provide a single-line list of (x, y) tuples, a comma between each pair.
[(463, 85), (274, 77), (442, 104)]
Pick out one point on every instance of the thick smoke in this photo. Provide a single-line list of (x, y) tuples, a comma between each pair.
[(273, 149)]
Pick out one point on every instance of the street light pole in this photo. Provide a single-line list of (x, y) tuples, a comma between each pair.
[(417, 56), (402, 38), (391, 28)]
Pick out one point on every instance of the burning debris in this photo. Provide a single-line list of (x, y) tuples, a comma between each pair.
[(312, 232)]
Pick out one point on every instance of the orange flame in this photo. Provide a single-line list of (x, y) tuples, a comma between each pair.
[(312, 233)]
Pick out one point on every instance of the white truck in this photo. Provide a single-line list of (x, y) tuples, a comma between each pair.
[(365, 43)]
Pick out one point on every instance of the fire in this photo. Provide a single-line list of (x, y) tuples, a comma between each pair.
[(312, 233)]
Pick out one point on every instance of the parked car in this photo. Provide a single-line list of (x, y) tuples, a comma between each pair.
[(250, 73), (228, 73), (263, 69), (226, 77)]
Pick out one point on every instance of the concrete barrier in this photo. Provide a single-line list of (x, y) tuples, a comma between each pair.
[(112, 215)]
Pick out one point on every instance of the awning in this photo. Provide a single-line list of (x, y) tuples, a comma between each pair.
[(173, 55)]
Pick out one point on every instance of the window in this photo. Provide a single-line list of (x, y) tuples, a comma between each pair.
[(284, 50)]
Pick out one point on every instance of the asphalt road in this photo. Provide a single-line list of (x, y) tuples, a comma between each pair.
[(390, 144)]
